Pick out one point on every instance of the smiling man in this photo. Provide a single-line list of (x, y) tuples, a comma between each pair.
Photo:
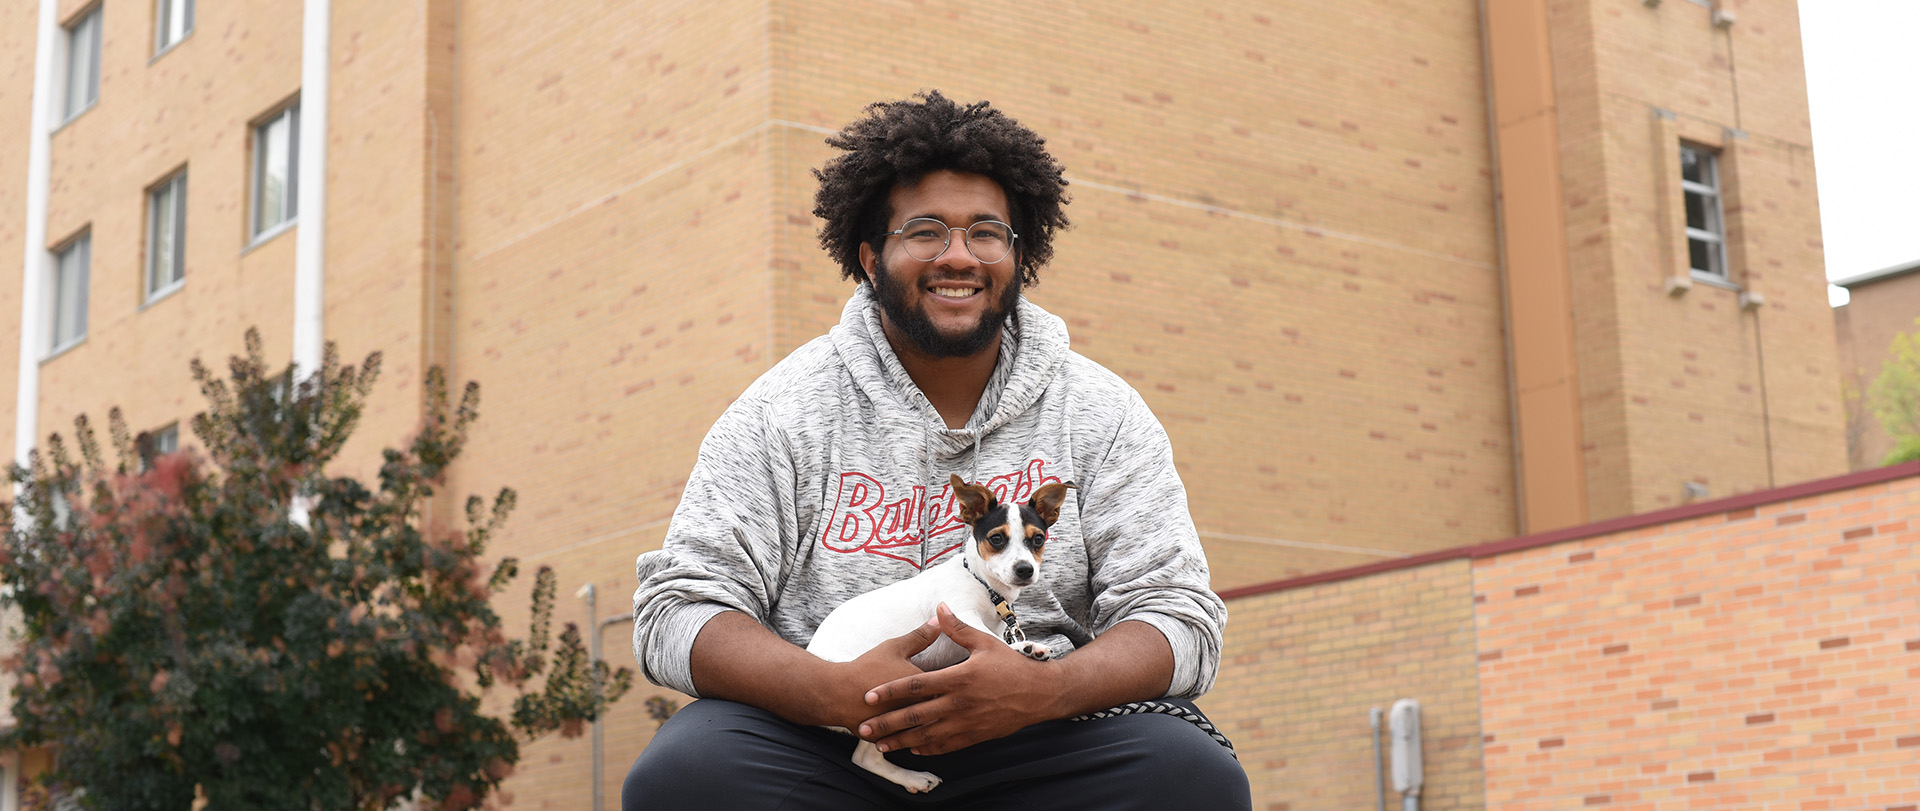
[(829, 477)]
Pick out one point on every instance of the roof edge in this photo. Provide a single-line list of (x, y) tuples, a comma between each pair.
[(1878, 275), (1490, 548)]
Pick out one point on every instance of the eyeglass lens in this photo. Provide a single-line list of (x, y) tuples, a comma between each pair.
[(925, 239)]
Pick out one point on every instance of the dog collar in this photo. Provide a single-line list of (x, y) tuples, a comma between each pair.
[(1012, 634)]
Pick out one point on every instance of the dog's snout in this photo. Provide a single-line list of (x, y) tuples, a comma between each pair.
[(1023, 570)]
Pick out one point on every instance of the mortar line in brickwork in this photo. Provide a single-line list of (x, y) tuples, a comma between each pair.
[(618, 533), (1275, 221), (1326, 547), (648, 178), (1749, 135)]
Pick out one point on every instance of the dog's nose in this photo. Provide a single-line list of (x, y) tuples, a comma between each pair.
[(1023, 570)]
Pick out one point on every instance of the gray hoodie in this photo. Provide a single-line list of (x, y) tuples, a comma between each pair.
[(828, 478)]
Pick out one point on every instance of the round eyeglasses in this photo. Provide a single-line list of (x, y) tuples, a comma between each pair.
[(926, 238)]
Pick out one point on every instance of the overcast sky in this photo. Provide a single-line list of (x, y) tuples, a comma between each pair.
[(1863, 84)]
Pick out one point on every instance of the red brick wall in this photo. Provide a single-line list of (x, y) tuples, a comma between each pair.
[(1766, 657), (1757, 652)]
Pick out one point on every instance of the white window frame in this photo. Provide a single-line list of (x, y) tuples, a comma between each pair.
[(166, 265), (80, 65), (157, 443), (172, 22), (264, 223), (1714, 236), (73, 259)]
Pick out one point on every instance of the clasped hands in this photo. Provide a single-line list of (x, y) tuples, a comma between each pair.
[(997, 691)]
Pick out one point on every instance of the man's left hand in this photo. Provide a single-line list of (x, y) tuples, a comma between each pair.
[(996, 692)]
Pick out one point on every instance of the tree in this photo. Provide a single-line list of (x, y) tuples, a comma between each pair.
[(1895, 396), (185, 626)]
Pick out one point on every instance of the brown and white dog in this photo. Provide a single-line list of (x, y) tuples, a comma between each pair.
[(1000, 558)]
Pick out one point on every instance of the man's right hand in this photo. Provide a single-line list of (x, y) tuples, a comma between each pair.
[(738, 659)]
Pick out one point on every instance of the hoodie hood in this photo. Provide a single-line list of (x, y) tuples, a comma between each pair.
[(1030, 357)]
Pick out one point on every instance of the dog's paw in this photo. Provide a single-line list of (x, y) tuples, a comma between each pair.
[(917, 782), (1033, 650)]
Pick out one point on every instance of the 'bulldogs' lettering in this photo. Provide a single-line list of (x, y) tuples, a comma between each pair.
[(863, 520)]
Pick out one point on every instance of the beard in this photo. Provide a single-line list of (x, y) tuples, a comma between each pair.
[(920, 330)]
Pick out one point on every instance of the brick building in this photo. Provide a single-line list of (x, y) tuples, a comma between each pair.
[(1756, 651), (1881, 304), (1397, 277)]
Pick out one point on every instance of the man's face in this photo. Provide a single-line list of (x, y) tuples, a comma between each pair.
[(952, 305)]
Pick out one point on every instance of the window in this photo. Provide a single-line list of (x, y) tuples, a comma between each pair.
[(166, 235), (70, 267), (83, 64), (155, 444), (1706, 225), (172, 21), (276, 170)]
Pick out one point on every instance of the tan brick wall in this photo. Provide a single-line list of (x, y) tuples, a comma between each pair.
[(190, 107), (1866, 326), (17, 31), (1759, 658), (1304, 666), (611, 293), (1691, 388)]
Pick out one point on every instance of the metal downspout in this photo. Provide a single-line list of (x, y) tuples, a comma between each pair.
[(310, 252), (33, 267)]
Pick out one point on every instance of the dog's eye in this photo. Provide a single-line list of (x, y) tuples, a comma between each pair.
[(1037, 541), (998, 539)]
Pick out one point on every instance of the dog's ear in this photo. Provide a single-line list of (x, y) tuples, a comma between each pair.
[(1047, 500), (974, 500)]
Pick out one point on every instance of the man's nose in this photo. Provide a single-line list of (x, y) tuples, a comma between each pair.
[(956, 252)]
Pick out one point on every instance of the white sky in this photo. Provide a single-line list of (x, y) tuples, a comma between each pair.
[(1863, 85)]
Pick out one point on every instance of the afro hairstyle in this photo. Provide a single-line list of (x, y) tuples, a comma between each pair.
[(899, 142)]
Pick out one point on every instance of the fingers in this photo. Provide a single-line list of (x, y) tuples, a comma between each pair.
[(965, 635), (918, 685), (917, 727), (901, 719)]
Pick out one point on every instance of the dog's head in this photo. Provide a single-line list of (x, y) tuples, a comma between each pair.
[(1008, 539)]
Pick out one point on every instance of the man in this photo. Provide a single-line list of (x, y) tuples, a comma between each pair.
[(828, 478)]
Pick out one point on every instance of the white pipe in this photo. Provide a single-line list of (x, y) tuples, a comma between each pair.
[(1379, 764), (33, 267), (10, 780), (593, 655), (310, 251)]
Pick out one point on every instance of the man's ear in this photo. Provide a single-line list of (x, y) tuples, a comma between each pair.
[(1047, 500), (974, 500), (866, 259)]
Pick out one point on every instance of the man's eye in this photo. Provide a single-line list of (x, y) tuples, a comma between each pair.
[(925, 235)]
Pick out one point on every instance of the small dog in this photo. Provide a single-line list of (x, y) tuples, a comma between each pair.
[(1001, 558)]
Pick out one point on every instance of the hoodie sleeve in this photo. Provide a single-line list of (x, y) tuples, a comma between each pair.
[(725, 548), (1144, 553)]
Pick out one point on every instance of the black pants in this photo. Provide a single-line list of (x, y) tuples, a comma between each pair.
[(721, 756)]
